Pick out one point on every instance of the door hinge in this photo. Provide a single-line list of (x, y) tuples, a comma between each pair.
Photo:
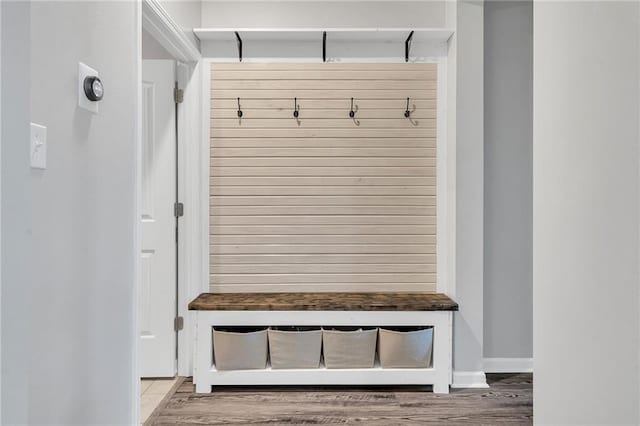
[(178, 209), (178, 95), (178, 323)]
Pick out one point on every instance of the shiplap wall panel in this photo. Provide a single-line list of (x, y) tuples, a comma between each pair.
[(327, 143), (323, 202)]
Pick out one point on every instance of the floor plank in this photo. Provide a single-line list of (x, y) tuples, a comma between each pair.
[(509, 400)]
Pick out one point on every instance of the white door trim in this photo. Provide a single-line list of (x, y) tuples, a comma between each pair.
[(159, 248), (137, 226), (181, 45), (151, 16), (0, 209), (189, 152)]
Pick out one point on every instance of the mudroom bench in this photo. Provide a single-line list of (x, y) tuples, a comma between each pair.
[(227, 310)]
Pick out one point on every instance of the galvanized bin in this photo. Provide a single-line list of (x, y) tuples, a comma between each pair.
[(349, 347), (240, 348), (405, 347), (295, 347)]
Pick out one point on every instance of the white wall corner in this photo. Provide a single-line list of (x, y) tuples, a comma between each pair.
[(469, 379), (508, 365)]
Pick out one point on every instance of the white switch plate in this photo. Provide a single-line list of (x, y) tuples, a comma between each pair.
[(83, 101), (38, 146)]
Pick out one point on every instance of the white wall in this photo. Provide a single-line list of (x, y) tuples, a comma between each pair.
[(586, 217), (16, 212), (0, 209), (508, 133), (186, 13), (68, 240), (468, 322), (314, 14), (151, 49)]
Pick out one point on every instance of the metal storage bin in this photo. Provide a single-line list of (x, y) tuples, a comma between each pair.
[(349, 347), (295, 347), (405, 347), (240, 348)]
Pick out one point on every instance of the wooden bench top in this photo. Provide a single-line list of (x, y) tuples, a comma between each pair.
[(323, 302)]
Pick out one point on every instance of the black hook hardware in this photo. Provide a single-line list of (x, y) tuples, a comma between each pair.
[(352, 113), (324, 46), (407, 113), (239, 109), (239, 46), (296, 113), (407, 46)]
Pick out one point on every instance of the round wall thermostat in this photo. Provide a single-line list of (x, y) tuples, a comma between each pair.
[(93, 88)]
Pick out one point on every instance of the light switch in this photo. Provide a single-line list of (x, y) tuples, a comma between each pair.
[(38, 146)]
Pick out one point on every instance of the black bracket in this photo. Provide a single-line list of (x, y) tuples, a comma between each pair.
[(239, 46), (407, 46), (324, 46)]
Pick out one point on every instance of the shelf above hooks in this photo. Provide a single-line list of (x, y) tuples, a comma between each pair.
[(378, 35)]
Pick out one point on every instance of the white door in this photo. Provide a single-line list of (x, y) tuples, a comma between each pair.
[(158, 292)]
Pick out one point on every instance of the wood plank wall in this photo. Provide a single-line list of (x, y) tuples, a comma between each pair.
[(323, 203)]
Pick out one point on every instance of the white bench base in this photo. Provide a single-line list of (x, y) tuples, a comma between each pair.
[(439, 375)]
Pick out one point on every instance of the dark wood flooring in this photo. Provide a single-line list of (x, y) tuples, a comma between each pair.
[(509, 400)]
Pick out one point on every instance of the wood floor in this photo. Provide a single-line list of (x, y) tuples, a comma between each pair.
[(509, 400)]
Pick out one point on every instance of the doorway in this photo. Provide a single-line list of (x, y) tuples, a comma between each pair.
[(158, 308), (157, 302), (169, 137)]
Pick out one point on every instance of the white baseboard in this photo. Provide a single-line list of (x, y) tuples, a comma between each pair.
[(469, 379), (508, 365)]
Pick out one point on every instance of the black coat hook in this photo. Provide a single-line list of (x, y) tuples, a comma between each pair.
[(407, 113), (239, 109), (352, 114), (296, 113)]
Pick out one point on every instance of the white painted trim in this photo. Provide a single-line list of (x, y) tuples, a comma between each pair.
[(0, 208), (449, 81), (446, 167), (197, 172), (137, 226), (469, 379), (508, 365), (204, 172), (190, 231), (155, 19)]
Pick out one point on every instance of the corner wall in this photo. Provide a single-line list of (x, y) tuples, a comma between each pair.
[(68, 231), (83, 224), (468, 322), (586, 216), (16, 211), (508, 191)]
